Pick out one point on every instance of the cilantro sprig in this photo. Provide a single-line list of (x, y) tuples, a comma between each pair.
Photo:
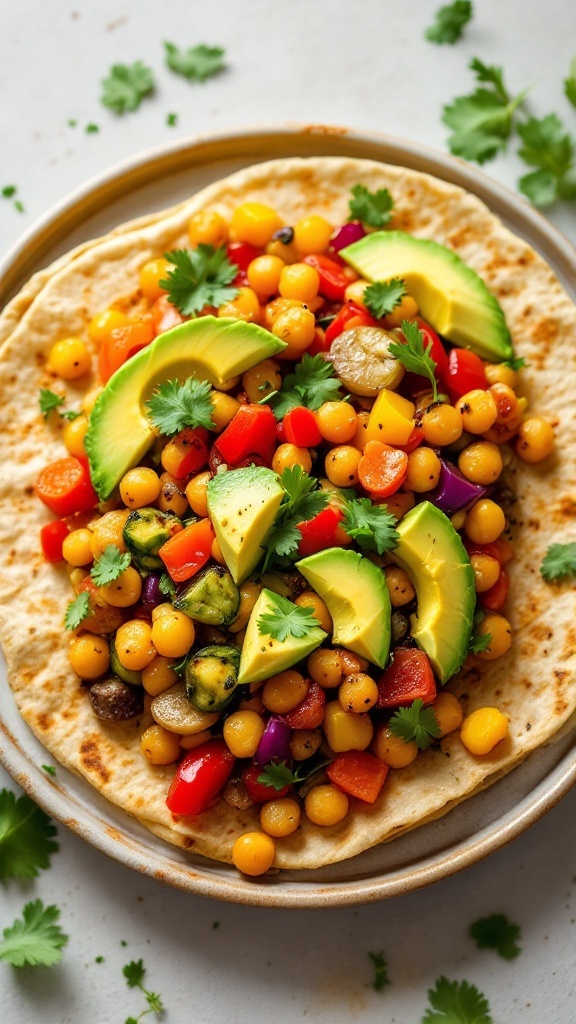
[(174, 406), (371, 208), (559, 561), (277, 775), (482, 121), (456, 1002), (383, 296), (570, 83), (77, 610), (201, 277), (380, 965), (498, 933), (551, 149), (26, 832), (479, 642), (109, 565), (449, 22), (49, 400), (126, 86), (312, 383), (303, 501), (134, 973), (414, 356), (286, 619), (371, 526), (35, 938), (197, 63), (415, 723)]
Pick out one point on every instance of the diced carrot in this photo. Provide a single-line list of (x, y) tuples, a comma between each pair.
[(358, 773), (382, 469), (65, 486)]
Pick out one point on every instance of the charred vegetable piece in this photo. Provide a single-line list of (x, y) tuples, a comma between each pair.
[(174, 712), (211, 677), (212, 597), (362, 360), (146, 530), (113, 700), (126, 674)]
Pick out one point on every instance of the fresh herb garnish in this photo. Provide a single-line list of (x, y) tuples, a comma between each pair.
[(481, 122), (19, 206), (174, 406), (126, 86), (171, 120), (479, 642), (415, 723), (196, 63), (372, 208), (449, 22), (109, 565), (381, 978), (277, 775), (456, 1002), (134, 973), (312, 383), (8, 191), (25, 837), (414, 356), (383, 296), (303, 501), (92, 129), (287, 619), (50, 769), (550, 148), (34, 939), (77, 610), (72, 122), (201, 277), (497, 932), (166, 585), (371, 526), (559, 560), (49, 400), (570, 83), (515, 362), (99, 959)]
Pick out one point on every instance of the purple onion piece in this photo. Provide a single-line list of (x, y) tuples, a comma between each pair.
[(347, 234), (151, 595), (275, 742), (454, 491)]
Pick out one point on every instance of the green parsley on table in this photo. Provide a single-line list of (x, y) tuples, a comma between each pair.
[(35, 939), (371, 208), (49, 768), (382, 297), (171, 120), (126, 86), (570, 83), (453, 1002), (174, 406), (109, 565), (49, 400), (550, 148), (92, 129), (413, 356), (381, 978), (303, 501), (481, 122), (277, 775), (449, 22), (26, 832), (415, 723), (559, 560), (8, 191), (286, 620), (134, 973), (371, 526), (197, 63), (77, 610), (312, 383), (497, 932), (201, 277)]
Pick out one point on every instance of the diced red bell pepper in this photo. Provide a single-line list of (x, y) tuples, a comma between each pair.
[(309, 714), (122, 343), (406, 679), (351, 315), (493, 550), (416, 438), (320, 532), (52, 537), (242, 254), (251, 430), (300, 427), (493, 600), (465, 373), (65, 486), (333, 280), (358, 773), (259, 792), (320, 343), (200, 777), (164, 315), (187, 551)]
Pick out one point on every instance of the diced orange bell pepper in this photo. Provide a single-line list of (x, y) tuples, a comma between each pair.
[(186, 552)]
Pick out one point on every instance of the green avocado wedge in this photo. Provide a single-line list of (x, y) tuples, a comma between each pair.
[(433, 555), (264, 656), (451, 296), (207, 348), (242, 504)]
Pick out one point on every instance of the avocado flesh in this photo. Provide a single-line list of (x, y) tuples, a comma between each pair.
[(207, 348), (263, 656), (242, 504), (451, 296), (355, 593), (433, 555)]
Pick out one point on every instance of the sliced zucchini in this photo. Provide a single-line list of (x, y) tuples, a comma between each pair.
[(212, 597)]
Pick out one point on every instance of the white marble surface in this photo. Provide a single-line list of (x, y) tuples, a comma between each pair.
[(365, 65)]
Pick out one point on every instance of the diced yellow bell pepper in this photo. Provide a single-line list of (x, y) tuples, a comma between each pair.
[(346, 730), (391, 419)]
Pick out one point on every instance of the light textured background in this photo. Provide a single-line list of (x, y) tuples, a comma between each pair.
[(365, 65)]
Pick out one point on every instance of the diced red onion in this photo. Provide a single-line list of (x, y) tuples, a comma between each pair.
[(275, 742), (454, 491), (151, 595), (347, 234)]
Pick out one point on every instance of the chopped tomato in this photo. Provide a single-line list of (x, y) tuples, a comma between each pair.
[(358, 773), (52, 536), (382, 469), (333, 280), (200, 777), (351, 315), (187, 551), (319, 344), (465, 373), (300, 427), (320, 532), (259, 792), (252, 429), (309, 714), (494, 599), (406, 679), (242, 254), (122, 343), (65, 486), (164, 315), (416, 438)]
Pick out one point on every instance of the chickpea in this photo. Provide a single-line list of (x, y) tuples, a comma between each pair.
[(282, 693), (481, 462), (158, 676), (73, 435), (337, 422), (76, 548), (399, 586), (140, 487), (424, 468), (304, 743), (159, 745), (261, 380), (125, 590), (326, 805), (484, 522), (244, 306), (102, 324), (207, 227), (358, 692), (89, 656), (448, 711), (535, 440), (478, 411), (172, 497), (287, 456), (351, 662), (150, 276), (312, 234), (483, 729), (249, 593), (341, 465), (242, 732), (500, 633), (254, 223), (197, 493), (134, 645), (297, 327), (499, 373), (309, 599), (224, 408), (69, 358), (486, 571), (253, 853), (280, 817), (406, 309), (173, 634), (392, 749), (324, 666), (442, 425)]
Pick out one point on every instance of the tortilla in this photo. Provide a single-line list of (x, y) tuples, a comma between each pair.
[(534, 684)]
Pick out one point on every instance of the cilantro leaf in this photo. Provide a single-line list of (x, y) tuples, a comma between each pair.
[(372, 208), (481, 122), (413, 356), (456, 1003), (371, 526), (77, 610), (312, 383), (166, 585), (49, 400), (449, 22), (126, 86), (70, 414), (196, 63), (303, 501), (134, 973), (415, 723), (201, 277), (109, 565), (277, 774), (25, 837), (479, 642), (383, 296), (174, 406), (381, 978), (49, 768), (550, 148), (570, 83), (515, 362), (171, 120), (559, 560), (35, 939), (497, 932), (8, 191), (286, 619)]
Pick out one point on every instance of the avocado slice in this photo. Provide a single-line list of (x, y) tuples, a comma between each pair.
[(263, 656), (451, 296), (356, 595), (242, 504), (207, 348), (433, 555)]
